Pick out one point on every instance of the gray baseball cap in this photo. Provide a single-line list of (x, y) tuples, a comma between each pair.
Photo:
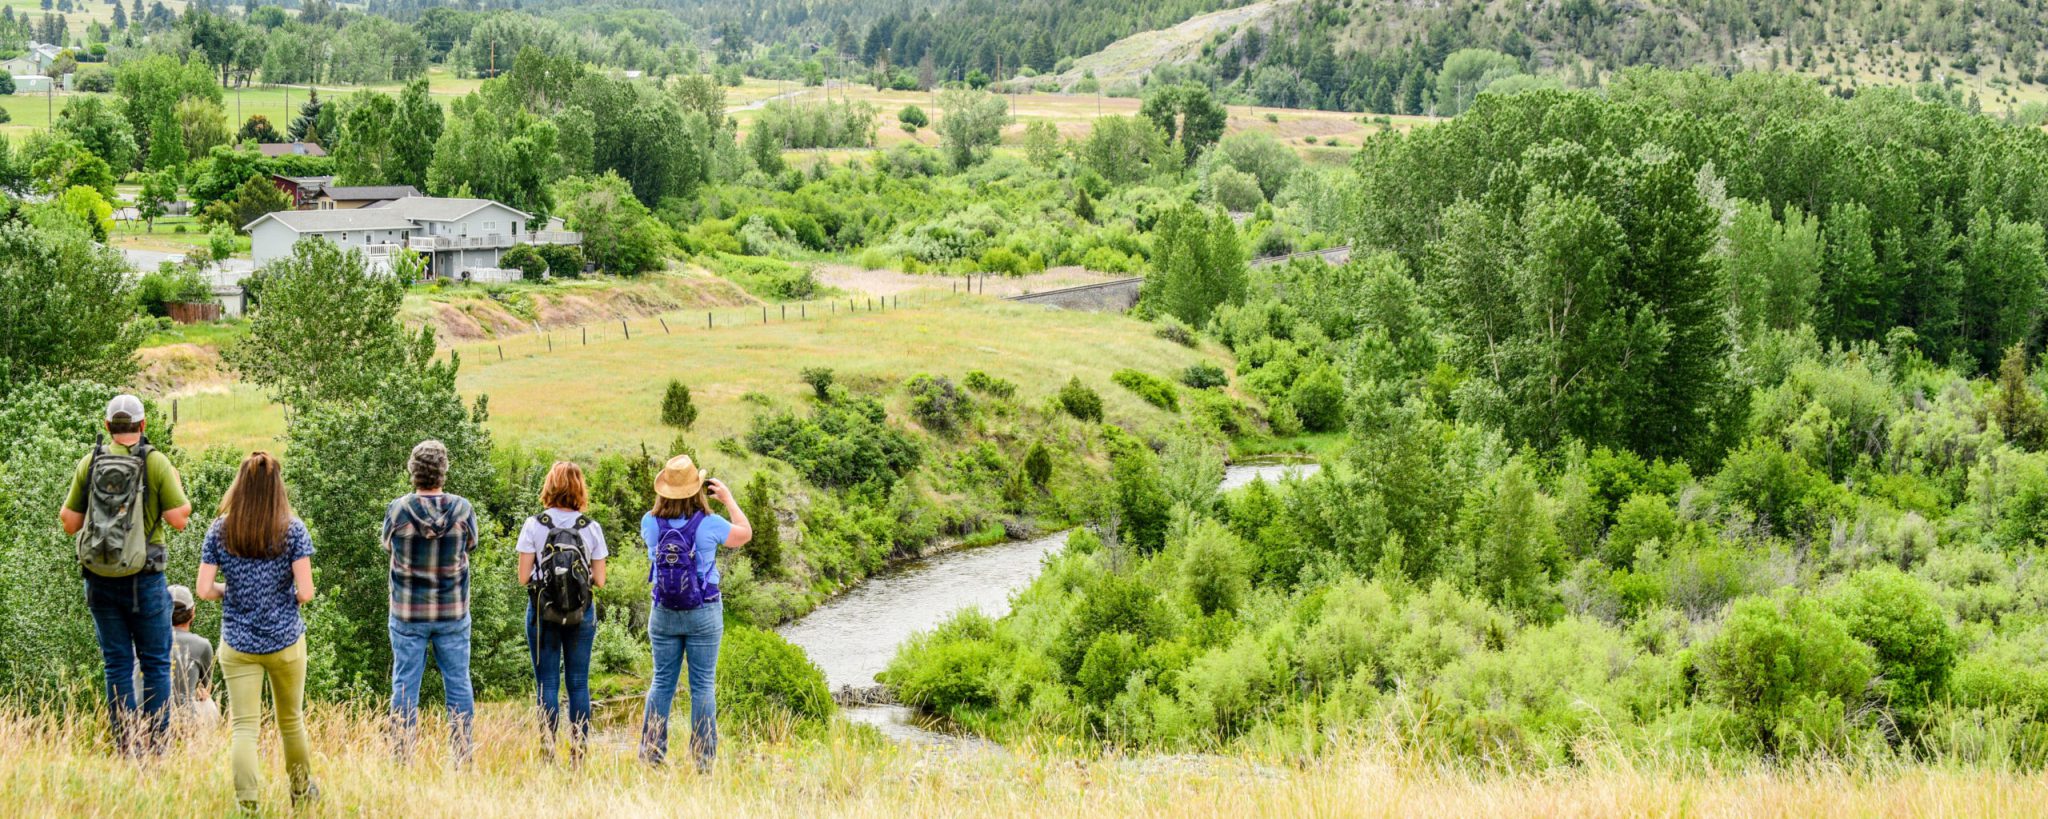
[(181, 596), (124, 405)]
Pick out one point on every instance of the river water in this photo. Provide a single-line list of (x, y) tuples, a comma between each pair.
[(853, 637)]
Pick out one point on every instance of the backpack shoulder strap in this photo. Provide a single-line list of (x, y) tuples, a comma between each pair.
[(542, 519), (581, 522)]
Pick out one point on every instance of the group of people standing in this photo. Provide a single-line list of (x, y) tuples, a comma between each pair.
[(257, 562)]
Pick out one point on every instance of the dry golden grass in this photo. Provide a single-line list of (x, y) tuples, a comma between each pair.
[(53, 767)]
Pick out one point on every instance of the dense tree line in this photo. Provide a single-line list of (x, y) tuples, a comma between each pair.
[(1611, 466)]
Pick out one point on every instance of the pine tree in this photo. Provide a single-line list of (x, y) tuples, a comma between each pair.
[(1084, 205), (304, 127), (677, 410), (765, 550)]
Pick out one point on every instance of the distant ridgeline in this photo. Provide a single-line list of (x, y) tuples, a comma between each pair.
[(1394, 58)]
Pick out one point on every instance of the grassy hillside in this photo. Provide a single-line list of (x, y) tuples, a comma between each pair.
[(1392, 57), (605, 396)]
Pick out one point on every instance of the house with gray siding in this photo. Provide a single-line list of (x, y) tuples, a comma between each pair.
[(460, 239)]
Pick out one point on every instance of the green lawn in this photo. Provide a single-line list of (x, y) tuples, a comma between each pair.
[(167, 235), (29, 112), (583, 399)]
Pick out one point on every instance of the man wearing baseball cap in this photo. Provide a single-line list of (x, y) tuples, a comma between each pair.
[(131, 612)]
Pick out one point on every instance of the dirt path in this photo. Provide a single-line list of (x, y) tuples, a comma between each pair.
[(853, 279)]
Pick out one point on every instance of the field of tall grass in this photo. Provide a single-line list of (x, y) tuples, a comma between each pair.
[(559, 393), (52, 766)]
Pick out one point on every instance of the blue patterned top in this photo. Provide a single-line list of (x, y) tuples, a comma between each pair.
[(260, 614)]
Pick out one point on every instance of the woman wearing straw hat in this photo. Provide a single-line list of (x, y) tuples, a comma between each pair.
[(683, 537)]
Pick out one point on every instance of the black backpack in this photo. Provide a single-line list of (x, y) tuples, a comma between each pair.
[(561, 590)]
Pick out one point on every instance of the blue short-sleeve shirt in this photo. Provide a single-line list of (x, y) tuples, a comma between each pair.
[(260, 614), (711, 534)]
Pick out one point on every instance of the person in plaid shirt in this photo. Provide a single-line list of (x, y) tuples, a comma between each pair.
[(430, 535)]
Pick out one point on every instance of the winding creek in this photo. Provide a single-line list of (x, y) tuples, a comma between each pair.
[(853, 637)]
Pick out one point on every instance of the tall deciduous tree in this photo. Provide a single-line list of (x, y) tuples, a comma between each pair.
[(1189, 116), (972, 124), (327, 330), (1198, 264), (413, 136), (65, 301)]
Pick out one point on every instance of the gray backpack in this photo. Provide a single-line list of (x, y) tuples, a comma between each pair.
[(115, 539)]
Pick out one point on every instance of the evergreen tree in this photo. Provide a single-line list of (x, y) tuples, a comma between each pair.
[(305, 126)]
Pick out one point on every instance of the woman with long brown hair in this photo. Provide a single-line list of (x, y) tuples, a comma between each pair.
[(262, 553), (561, 561), (688, 619)]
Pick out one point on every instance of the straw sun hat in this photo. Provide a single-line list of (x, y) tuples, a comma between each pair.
[(680, 478)]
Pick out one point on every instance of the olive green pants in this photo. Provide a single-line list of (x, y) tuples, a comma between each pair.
[(245, 673)]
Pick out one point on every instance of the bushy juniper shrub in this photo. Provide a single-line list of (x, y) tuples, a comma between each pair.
[(1156, 391), (989, 385), (1080, 401), (1204, 375), (937, 404)]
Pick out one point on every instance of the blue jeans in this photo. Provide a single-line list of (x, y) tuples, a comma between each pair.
[(132, 616), (560, 651), (678, 635), (409, 642)]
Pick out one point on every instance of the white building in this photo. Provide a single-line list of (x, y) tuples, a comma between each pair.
[(462, 239)]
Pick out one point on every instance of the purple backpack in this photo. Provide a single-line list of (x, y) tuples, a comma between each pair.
[(678, 585)]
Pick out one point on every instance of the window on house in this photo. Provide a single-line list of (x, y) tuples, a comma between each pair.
[(490, 227)]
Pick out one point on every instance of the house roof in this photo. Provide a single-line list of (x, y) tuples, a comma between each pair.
[(396, 214), (309, 182), (443, 209), (291, 149), (368, 192), (330, 221)]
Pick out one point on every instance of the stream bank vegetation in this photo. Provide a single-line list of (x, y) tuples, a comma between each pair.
[(1653, 439)]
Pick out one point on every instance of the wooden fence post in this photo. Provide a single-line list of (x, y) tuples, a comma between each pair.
[(707, 320), (586, 334), (501, 352), (664, 325), (628, 330)]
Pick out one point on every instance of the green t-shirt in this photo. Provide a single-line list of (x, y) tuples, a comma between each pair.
[(165, 492)]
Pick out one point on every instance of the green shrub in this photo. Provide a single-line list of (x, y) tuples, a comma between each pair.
[(677, 410), (820, 379), (1215, 569), (1644, 517), (1038, 465), (1142, 504), (1897, 616), (562, 260), (1175, 330), (1080, 401), (1318, 400), (1106, 666), (912, 118), (1782, 663), (989, 385), (936, 403), (1780, 488), (526, 260), (171, 282), (1155, 390), (764, 682), (843, 444), (1204, 375), (949, 667)]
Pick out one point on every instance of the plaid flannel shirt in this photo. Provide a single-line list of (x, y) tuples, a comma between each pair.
[(430, 538)]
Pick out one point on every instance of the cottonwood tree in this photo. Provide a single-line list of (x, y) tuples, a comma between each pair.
[(973, 123), (1189, 116), (66, 303), (327, 329), (1198, 264)]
